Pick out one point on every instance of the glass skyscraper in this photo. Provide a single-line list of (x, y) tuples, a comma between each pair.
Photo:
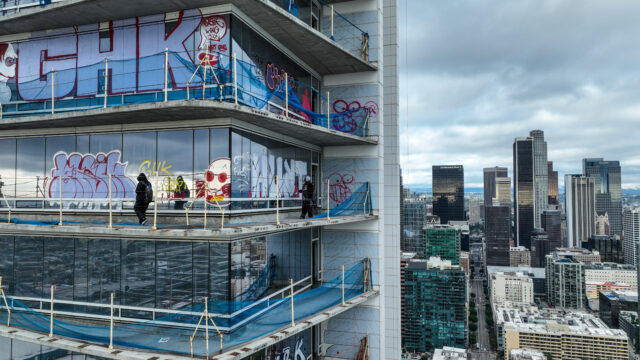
[(414, 217), (448, 192), (540, 175), (606, 175), (443, 241), (524, 192), (497, 234), (490, 175)]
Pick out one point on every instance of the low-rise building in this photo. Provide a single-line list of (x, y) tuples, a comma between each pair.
[(629, 323), (464, 261), (594, 288), (614, 301), (611, 272), (450, 353), (514, 287), (527, 354), (583, 255), (511, 313), (573, 335), (536, 274), (519, 255)]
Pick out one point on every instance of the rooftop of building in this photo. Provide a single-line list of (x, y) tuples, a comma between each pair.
[(408, 255), (535, 272), (518, 248), (449, 353), (575, 251), (555, 321), (629, 316), (513, 275), (527, 354), (609, 266), (621, 295), (434, 262)]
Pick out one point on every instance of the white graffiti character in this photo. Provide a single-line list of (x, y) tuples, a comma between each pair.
[(8, 60)]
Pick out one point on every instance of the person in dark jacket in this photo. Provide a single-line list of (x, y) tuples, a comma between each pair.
[(307, 198), (141, 205), (181, 192)]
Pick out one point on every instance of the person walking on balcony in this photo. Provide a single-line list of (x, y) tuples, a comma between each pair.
[(144, 195), (307, 198), (182, 192)]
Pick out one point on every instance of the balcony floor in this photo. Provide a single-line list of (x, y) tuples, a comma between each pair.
[(189, 110), (232, 230), (325, 56)]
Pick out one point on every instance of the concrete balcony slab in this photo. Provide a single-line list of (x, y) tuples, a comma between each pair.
[(325, 56)]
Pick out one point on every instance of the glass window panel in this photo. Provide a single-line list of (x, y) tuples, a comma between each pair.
[(240, 176), (105, 143), (219, 271), (175, 150), (200, 271), (28, 266), (175, 273), (104, 270), (139, 151), (56, 144), (80, 282), (8, 166), (201, 151), (82, 144), (138, 273), (219, 143), (7, 263), (58, 265), (30, 166)]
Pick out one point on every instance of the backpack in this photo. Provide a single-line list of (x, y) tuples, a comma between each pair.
[(148, 193)]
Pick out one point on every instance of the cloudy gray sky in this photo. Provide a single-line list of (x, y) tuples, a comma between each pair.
[(482, 72)]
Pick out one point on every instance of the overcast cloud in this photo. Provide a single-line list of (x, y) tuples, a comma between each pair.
[(481, 73)]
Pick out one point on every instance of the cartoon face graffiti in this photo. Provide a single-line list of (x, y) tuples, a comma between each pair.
[(218, 178), (340, 187), (212, 33), (8, 60)]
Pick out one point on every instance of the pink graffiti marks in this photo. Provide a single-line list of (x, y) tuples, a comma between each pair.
[(351, 114), (212, 35), (217, 182), (86, 176), (340, 187), (275, 76)]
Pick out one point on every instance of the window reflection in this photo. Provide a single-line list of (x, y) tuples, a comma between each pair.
[(30, 166), (139, 151), (8, 166)]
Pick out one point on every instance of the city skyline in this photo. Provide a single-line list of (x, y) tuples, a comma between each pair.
[(469, 97)]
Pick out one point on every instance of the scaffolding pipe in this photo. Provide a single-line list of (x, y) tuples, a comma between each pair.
[(328, 200), (155, 201), (110, 204), (5, 304), (293, 323), (60, 222), (235, 78), (53, 90), (111, 325), (343, 285), (106, 81), (277, 202), (206, 325), (328, 111), (332, 22), (286, 95), (204, 78), (206, 192), (51, 314), (166, 73), (8, 208)]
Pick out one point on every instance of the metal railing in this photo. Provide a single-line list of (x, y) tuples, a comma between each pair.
[(15, 6)]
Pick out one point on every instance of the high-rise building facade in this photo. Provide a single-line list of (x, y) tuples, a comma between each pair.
[(565, 282), (608, 185), (631, 237), (436, 305), (524, 193), (414, 218), (230, 99), (490, 175), (609, 247), (553, 186), (552, 225), (448, 192), (580, 208), (443, 241), (540, 247), (497, 234), (511, 286), (503, 191), (540, 175)]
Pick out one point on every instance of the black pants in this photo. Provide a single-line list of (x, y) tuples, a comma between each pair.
[(306, 208), (179, 205), (141, 211)]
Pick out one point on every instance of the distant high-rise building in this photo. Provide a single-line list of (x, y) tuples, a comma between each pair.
[(631, 238), (540, 175), (497, 234), (448, 192), (565, 281), (524, 192), (540, 247), (580, 208), (443, 241), (436, 305), (414, 217), (476, 207), (490, 175), (608, 185), (503, 191), (405, 258), (519, 256), (553, 186), (552, 225), (609, 247), (603, 226)]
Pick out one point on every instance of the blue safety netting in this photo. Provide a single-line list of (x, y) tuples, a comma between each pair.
[(358, 203), (172, 333), (257, 87)]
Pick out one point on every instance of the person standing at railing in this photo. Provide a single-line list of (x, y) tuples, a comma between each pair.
[(181, 192), (144, 196), (307, 198)]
